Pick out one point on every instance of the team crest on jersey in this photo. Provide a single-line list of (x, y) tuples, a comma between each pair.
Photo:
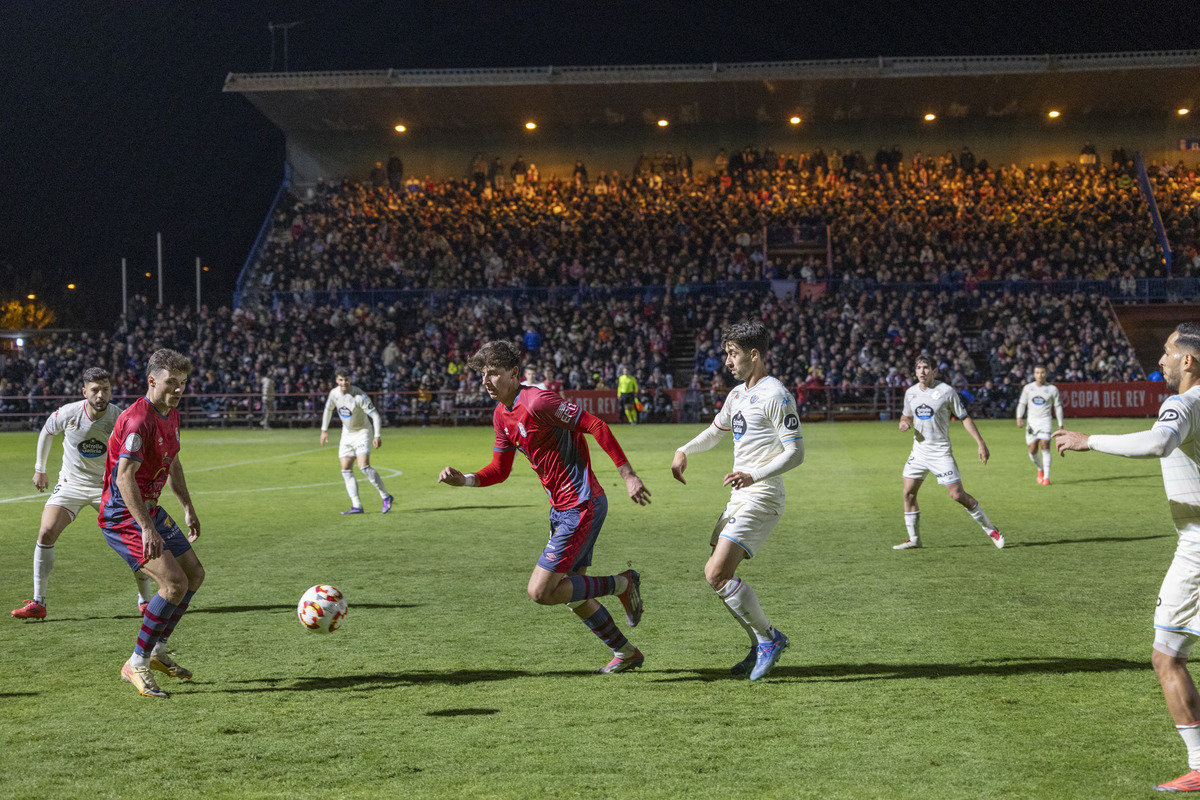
[(739, 425), (753, 399), (567, 411), (1168, 415), (923, 411), (521, 429)]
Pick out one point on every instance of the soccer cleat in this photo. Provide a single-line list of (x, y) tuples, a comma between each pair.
[(142, 608), (911, 544), (142, 679), (744, 666), (387, 504), (1045, 481), (631, 598), (619, 664), (767, 654), (31, 610), (997, 538), (352, 510), (165, 664), (1041, 477), (1189, 782)]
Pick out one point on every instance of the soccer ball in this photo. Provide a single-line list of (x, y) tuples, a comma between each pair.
[(322, 608)]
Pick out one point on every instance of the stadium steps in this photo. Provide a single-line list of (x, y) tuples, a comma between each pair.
[(683, 351)]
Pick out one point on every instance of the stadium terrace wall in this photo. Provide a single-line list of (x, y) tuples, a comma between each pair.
[(444, 154)]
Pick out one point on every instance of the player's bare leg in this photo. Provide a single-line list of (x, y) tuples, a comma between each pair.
[(912, 515), (1183, 703), (960, 496)]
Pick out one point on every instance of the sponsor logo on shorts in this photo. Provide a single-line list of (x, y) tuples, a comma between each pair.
[(551, 556), (1168, 415)]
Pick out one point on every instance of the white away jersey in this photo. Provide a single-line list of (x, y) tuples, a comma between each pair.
[(1041, 403), (85, 442), (355, 410), (930, 410), (1181, 469), (762, 419)]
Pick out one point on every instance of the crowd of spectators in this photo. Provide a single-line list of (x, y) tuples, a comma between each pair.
[(951, 219)]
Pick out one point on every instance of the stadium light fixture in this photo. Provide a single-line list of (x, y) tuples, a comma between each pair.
[(20, 342), (662, 123), (531, 125), (70, 286), (930, 117), (400, 129), (1054, 115), (147, 274), (794, 120), (1183, 112), (31, 297)]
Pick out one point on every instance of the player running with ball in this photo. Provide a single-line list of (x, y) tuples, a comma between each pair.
[(761, 412), (549, 430)]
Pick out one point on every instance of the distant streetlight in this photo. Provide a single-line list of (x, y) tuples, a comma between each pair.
[(31, 297), (930, 117), (1054, 115), (1183, 112), (794, 120), (70, 286), (662, 123), (530, 125), (400, 129)]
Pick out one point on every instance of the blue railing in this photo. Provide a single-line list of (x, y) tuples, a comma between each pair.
[(1141, 290)]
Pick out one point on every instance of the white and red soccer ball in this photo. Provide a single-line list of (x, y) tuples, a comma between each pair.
[(322, 608)]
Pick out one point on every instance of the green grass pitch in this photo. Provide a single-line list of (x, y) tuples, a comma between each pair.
[(953, 671)]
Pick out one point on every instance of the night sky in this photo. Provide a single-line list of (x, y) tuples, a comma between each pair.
[(113, 125)]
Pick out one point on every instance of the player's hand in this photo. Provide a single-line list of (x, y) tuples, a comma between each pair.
[(1066, 440), (452, 477), (678, 465), (984, 453), (377, 442), (638, 492), (193, 524), (738, 480), (1019, 422), (324, 437), (40, 481), (904, 425), (152, 544)]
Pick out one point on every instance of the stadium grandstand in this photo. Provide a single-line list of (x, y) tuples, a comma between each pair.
[(996, 211)]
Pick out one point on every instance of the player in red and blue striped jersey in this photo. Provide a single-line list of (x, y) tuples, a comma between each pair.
[(143, 457), (549, 430)]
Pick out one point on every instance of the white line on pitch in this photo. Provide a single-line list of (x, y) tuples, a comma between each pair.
[(254, 461)]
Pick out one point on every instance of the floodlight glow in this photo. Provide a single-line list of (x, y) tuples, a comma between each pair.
[(930, 117), (70, 286), (662, 123), (1183, 112), (31, 297), (1053, 115), (794, 120), (20, 342), (400, 129), (530, 125)]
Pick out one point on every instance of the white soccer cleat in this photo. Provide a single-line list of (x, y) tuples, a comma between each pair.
[(911, 544), (997, 538)]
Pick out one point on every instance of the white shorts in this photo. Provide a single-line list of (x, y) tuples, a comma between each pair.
[(943, 467), (1034, 435), (1177, 614), (747, 522), (73, 497), (354, 444)]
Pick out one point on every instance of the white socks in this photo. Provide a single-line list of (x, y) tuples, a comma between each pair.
[(980, 516), (352, 487), (912, 521), (1046, 459), (375, 480), (742, 601), (1191, 738), (745, 626), (43, 562), (145, 586)]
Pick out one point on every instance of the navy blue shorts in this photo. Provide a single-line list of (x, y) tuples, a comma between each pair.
[(573, 534), (126, 538)]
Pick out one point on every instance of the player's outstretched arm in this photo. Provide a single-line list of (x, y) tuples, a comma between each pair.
[(495, 472), (638, 492), (452, 477), (1154, 443), (984, 453), (179, 488)]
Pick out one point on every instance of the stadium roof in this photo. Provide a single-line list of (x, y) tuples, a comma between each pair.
[(719, 94)]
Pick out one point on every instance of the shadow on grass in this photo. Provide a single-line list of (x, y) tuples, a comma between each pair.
[(463, 712), (1000, 667), (1089, 540), (227, 610), (19, 694), (384, 680)]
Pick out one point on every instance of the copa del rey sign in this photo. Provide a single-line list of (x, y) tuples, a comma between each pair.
[(1136, 399)]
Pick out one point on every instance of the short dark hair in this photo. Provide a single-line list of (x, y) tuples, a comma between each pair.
[(498, 353), (925, 359), (170, 360), (1189, 337), (747, 335), (1040, 366), (96, 375)]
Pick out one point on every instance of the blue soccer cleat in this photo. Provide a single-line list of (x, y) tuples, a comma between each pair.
[(387, 504), (352, 510), (768, 655)]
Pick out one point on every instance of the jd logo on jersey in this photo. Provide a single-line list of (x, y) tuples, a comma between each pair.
[(791, 422), (1170, 415), (739, 425)]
